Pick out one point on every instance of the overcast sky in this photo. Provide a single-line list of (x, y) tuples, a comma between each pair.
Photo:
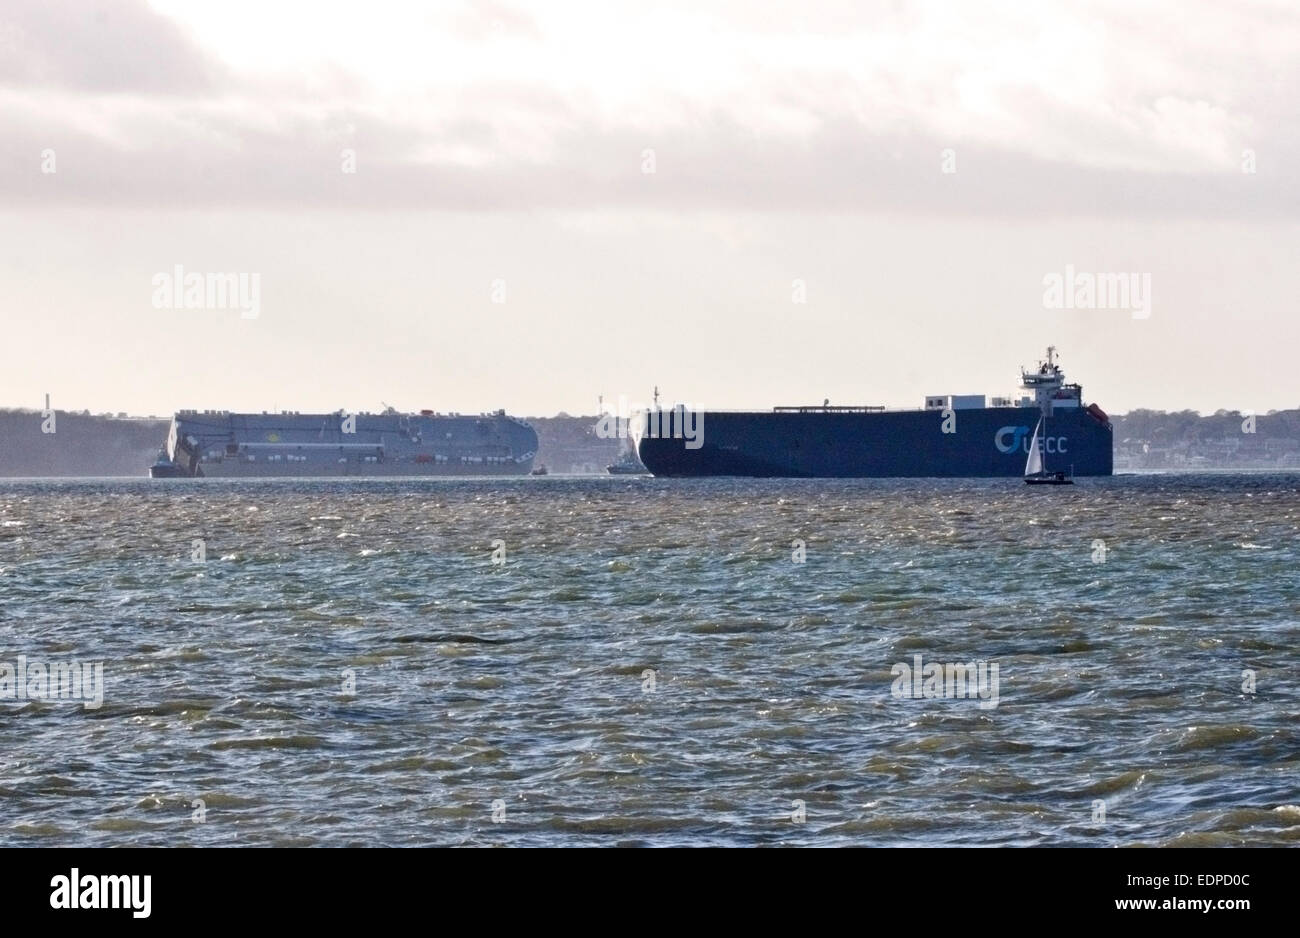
[(911, 171)]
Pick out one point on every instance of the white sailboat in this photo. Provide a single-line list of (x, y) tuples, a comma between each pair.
[(1035, 472)]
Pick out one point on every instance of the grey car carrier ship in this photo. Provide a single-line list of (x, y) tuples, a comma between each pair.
[(953, 436), (220, 444)]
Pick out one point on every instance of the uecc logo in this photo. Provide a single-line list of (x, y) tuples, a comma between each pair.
[(1016, 434), (1018, 441)]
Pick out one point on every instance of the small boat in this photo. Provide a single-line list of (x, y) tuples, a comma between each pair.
[(1036, 473), (1049, 478), (540, 471), (164, 468), (627, 465)]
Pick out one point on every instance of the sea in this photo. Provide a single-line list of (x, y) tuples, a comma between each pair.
[(562, 661)]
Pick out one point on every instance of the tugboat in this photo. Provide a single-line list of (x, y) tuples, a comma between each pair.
[(627, 465), (164, 468)]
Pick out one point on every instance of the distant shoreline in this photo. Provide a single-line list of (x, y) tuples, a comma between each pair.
[(118, 446)]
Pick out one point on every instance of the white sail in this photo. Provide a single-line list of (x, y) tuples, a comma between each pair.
[(1034, 464)]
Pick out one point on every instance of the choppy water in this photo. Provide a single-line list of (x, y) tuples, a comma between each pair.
[(526, 684)]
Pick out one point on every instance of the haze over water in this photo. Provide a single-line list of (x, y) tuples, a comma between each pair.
[(1122, 615)]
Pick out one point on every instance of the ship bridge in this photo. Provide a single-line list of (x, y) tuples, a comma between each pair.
[(1048, 385)]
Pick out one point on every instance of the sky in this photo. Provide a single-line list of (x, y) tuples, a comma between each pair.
[(482, 205)]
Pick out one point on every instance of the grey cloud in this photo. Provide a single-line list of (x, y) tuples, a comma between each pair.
[(100, 46), (194, 158)]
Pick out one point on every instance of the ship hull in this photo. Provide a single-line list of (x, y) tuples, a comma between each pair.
[(233, 470), (984, 442), (223, 445), (166, 471)]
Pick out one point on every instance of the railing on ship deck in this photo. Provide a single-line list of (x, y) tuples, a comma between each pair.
[(830, 409)]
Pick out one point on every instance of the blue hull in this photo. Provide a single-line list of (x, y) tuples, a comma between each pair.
[(986, 442)]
